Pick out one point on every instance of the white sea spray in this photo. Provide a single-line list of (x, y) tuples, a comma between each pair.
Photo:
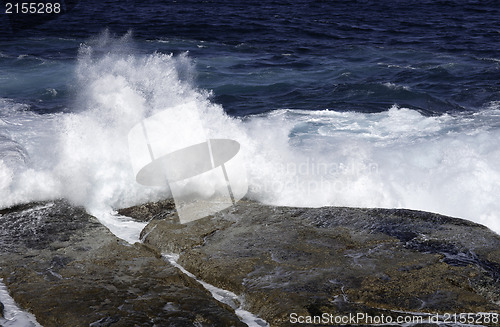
[(398, 158)]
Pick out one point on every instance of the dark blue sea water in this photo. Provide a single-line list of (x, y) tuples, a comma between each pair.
[(359, 103), (264, 55)]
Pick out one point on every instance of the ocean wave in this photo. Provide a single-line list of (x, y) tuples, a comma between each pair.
[(8, 107), (396, 158)]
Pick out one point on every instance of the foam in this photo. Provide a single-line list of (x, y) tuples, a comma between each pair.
[(221, 295), (84, 156), (395, 159), (13, 315), (398, 158)]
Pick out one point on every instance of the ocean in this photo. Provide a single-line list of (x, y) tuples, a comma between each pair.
[(392, 104)]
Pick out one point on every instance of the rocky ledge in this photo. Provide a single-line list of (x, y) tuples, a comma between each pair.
[(67, 269), (62, 265), (335, 261)]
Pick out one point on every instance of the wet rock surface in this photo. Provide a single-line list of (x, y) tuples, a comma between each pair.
[(338, 260), (67, 269), (145, 212)]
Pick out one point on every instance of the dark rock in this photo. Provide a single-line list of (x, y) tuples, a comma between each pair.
[(339, 260), (145, 212), (67, 269), (105, 322), (62, 265), (1, 310)]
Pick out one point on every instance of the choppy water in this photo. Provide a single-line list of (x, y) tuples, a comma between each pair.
[(364, 103)]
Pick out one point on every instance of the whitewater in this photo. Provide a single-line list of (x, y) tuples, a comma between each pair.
[(398, 158)]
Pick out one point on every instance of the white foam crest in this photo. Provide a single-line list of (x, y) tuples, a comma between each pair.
[(27, 148), (399, 158), (84, 156), (394, 86), (120, 89), (7, 107)]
